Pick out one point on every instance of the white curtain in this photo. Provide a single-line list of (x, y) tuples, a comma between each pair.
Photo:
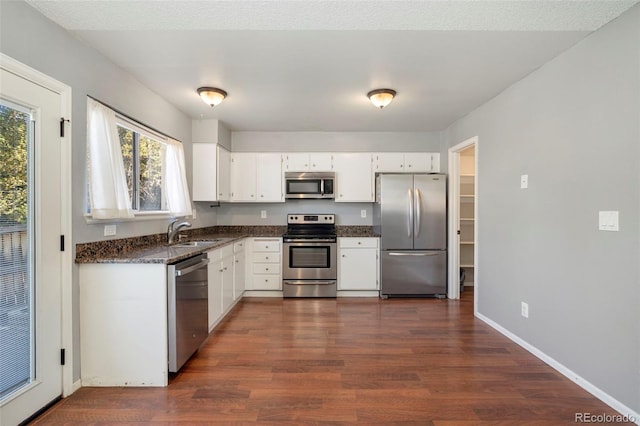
[(176, 188), (108, 192)]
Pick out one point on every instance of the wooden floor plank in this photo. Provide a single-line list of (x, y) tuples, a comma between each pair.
[(345, 361)]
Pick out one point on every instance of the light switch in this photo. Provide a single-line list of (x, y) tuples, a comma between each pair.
[(524, 181), (263, 214), (608, 221), (109, 230), (363, 213)]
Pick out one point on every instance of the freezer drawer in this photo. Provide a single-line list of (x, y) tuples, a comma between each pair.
[(416, 272)]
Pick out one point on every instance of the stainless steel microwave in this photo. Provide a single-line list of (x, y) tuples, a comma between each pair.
[(309, 185)]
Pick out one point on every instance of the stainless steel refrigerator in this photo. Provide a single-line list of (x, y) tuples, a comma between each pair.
[(410, 214)]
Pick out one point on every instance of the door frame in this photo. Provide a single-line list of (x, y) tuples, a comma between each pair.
[(66, 268), (454, 219)]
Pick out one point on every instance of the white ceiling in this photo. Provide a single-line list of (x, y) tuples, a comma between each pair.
[(306, 65)]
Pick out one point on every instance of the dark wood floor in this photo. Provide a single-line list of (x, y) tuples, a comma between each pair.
[(337, 361)]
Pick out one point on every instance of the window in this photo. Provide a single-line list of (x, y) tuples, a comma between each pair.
[(132, 170), (143, 158)]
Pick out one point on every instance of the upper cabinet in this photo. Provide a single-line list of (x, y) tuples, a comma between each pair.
[(210, 172), (354, 177), (414, 162), (256, 177), (308, 162)]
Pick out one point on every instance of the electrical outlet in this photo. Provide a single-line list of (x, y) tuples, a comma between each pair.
[(363, 213), (524, 181), (109, 230), (524, 309), (608, 221), (263, 214)]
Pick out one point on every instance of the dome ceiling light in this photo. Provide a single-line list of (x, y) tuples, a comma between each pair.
[(212, 95), (380, 98)]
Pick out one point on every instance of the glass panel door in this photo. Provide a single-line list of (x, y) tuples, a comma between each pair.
[(16, 269)]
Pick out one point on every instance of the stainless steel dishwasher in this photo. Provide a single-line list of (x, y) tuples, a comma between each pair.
[(188, 298)]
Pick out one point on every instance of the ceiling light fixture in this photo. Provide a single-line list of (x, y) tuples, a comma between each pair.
[(381, 97), (212, 95)]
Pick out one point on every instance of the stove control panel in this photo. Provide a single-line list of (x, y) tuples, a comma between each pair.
[(311, 219)]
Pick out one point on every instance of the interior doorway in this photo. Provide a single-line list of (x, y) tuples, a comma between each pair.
[(463, 219)]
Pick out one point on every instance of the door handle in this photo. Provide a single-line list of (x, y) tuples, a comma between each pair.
[(181, 272), (410, 211), (418, 211)]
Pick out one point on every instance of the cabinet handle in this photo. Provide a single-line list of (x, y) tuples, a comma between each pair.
[(252, 195), (220, 194), (266, 258), (359, 242), (344, 255), (261, 195), (313, 165), (266, 269), (266, 246), (220, 270), (266, 280), (225, 268)]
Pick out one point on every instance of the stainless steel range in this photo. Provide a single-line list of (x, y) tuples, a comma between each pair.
[(309, 265)]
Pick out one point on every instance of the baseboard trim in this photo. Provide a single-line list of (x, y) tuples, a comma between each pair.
[(568, 373)]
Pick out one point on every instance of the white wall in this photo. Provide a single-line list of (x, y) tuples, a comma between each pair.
[(574, 127)]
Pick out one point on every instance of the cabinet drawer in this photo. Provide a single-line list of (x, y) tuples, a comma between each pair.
[(353, 242), (267, 257), (267, 282), (266, 268), (266, 245)]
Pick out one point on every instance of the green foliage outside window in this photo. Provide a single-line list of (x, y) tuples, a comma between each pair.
[(13, 165)]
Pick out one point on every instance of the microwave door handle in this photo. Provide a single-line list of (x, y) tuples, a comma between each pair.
[(321, 186), (410, 213)]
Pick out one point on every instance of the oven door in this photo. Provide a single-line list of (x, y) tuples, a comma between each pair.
[(309, 260)]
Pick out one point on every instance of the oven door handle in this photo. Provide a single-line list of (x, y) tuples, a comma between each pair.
[(307, 282), (309, 242)]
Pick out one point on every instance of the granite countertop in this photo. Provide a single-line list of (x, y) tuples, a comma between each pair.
[(154, 249)]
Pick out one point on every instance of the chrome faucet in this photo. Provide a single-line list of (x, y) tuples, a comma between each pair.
[(174, 228)]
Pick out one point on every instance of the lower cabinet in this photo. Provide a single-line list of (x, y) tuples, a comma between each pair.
[(239, 269), (221, 286), (264, 265), (358, 263)]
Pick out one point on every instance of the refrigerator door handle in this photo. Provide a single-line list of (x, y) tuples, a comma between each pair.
[(402, 253), (410, 212), (418, 211)]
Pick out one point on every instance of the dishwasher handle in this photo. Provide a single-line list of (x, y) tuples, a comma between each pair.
[(181, 272)]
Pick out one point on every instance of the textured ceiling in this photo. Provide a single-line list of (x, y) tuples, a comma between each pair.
[(307, 64)]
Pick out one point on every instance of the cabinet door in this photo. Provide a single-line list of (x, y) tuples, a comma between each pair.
[(215, 287), (320, 162), (417, 162), (224, 174), (358, 269), (354, 177), (239, 265), (297, 162), (243, 176), (204, 172), (227, 283), (269, 178), (434, 162), (389, 162)]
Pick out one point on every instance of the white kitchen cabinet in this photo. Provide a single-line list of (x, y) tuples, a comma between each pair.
[(269, 178), (358, 263), (410, 162), (239, 267), (354, 177), (264, 264), (224, 175), (256, 177), (210, 172), (308, 162), (226, 263), (244, 173), (214, 272)]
